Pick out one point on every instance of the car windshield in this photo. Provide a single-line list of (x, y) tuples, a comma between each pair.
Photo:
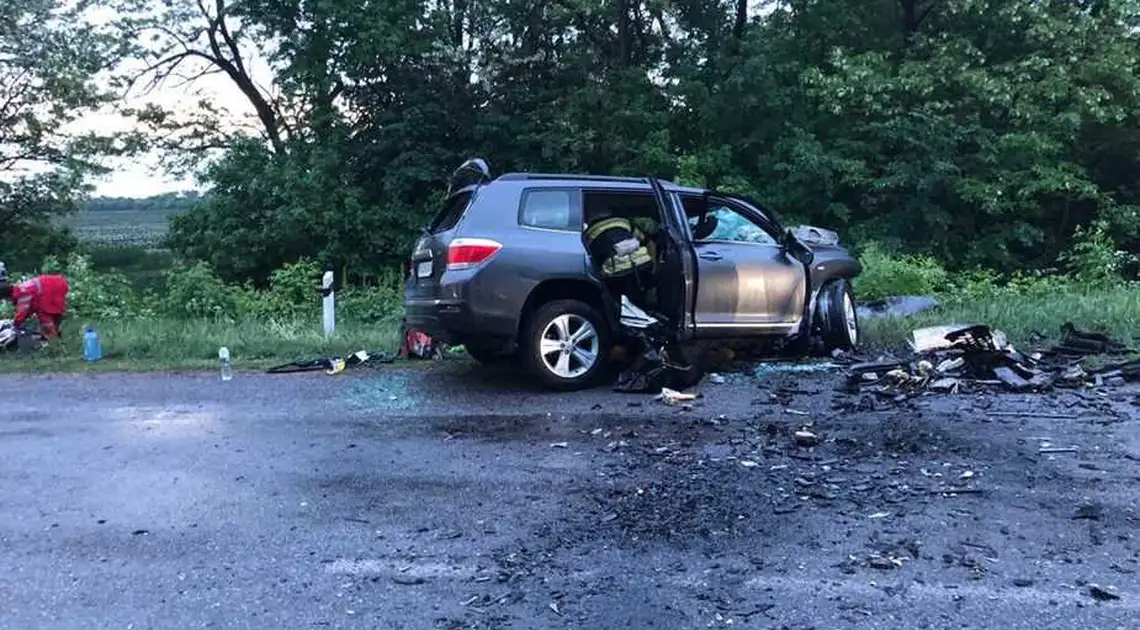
[(731, 225)]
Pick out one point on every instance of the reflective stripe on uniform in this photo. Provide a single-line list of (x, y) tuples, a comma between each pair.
[(607, 224), (621, 264)]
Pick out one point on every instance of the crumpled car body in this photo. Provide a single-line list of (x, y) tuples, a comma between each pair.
[(503, 269)]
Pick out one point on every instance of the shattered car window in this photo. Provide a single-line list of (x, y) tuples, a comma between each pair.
[(735, 227)]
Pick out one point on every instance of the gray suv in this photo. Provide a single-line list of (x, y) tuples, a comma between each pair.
[(503, 269)]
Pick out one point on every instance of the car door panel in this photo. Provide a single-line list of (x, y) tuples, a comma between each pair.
[(746, 284)]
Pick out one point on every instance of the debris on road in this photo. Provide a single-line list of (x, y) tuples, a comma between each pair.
[(772, 367), (960, 358), (332, 365), (1079, 343), (879, 562), (674, 397), (1103, 593), (655, 365), (806, 438)]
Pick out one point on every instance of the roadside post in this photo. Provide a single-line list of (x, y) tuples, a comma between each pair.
[(328, 306)]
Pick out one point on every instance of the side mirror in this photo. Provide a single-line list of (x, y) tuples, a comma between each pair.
[(796, 248)]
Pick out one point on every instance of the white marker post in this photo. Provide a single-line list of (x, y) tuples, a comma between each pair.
[(329, 308)]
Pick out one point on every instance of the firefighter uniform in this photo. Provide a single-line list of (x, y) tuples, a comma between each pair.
[(625, 256), (619, 246)]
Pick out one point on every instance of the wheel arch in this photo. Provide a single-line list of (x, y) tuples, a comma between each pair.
[(579, 289)]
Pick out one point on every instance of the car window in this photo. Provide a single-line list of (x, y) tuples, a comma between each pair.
[(734, 226), (550, 209), (449, 214)]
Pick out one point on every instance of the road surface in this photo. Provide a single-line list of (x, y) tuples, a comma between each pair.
[(456, 497)]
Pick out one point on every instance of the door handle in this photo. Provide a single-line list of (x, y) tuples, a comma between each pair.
[(710, 256)]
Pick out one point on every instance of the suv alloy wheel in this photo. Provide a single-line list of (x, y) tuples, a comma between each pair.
[(568, 344)]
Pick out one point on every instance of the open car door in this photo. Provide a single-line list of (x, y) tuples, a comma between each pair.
[(678, 265)]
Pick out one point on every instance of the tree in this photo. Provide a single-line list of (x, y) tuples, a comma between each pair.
[(51, 58), (909, 122)]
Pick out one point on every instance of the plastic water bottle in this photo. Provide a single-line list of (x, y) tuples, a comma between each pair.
[(224, 361), (92, 349)]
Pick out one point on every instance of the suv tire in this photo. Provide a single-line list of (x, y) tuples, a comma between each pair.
[(567, 344), (839, 320)]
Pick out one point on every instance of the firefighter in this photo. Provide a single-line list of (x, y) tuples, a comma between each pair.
[(45, 297), (624, 254)]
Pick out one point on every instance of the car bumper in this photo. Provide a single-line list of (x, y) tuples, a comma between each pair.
[(450, 321), (455, 322)]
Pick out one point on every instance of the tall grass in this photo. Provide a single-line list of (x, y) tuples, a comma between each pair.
[(1115, 311)]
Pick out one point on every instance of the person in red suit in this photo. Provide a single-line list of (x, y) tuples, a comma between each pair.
[(45, 297)]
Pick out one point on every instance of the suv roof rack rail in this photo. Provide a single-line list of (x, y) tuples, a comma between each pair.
[(596, 178)]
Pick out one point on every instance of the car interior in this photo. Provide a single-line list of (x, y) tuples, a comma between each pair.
[(661, 291)]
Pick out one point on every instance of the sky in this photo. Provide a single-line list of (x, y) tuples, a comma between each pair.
[(143, 175)]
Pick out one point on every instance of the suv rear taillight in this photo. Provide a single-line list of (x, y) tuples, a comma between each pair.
[(464, 253)]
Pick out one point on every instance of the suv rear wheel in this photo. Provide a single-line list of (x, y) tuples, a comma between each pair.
[(568, 344)]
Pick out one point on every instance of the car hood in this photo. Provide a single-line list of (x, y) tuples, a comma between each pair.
[(813, 236)]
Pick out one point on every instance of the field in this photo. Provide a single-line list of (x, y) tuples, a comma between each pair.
[(143, 228)]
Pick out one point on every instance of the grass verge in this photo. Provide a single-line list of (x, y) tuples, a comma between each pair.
[(1115, 312), (165, 344)]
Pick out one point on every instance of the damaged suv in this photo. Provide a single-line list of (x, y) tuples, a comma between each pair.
[(503, 269)]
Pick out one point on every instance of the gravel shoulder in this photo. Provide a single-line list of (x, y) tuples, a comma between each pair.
[(458, 497)]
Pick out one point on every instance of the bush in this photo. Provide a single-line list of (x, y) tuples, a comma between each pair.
[(885, 275), (195, 291), (95, 295), (381, 302), (1093, 258)]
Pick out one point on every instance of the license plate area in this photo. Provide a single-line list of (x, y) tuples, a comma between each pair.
[(423, 269)]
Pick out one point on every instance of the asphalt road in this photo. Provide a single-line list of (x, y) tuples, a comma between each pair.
[(456, 497)]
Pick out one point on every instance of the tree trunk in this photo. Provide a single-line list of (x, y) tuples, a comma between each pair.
[(625, 37), (741, 19)]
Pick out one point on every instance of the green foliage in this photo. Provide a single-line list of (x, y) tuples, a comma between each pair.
[(195, 291), (193, 344), (381, 301), (886, 275), (98, 295), (51, 55), (904, 123), (1093, 258)]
